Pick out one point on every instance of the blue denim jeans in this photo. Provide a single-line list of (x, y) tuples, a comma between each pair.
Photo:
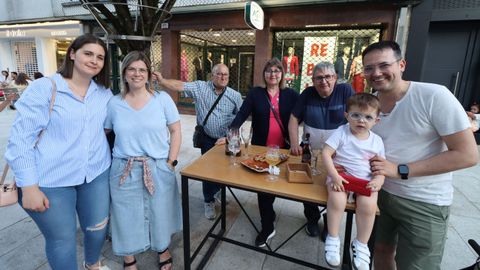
[(209, 189), (58, 224)]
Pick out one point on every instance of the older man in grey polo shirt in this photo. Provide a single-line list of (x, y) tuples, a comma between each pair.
[(205, 94)]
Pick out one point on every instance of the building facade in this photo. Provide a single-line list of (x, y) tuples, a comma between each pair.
[(444, 46), (300, 35), (202, 33)]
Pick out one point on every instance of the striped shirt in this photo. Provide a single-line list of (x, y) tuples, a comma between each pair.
[(204, 95), (73, 148)]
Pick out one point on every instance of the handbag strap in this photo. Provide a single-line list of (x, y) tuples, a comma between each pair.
[(213, 107), (50, 108), (4, 174), (276, 116)]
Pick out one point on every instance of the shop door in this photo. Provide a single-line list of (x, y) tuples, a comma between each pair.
[(245, 72), (453, 59)]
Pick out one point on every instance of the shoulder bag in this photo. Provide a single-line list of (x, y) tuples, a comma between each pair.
[(284, 132), (9, 191), (199, 134)]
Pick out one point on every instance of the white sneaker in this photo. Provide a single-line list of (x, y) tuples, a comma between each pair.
[(332, 251), (210, 210), (218, 198), (361, 256)]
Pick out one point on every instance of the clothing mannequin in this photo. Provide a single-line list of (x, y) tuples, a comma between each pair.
[(356, 72), (290, 65), (208, 64), (183, 66), (197, 63), (342, 65)]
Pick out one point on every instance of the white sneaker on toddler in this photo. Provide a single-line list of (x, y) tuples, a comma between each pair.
[(332, 251), (361, 255)]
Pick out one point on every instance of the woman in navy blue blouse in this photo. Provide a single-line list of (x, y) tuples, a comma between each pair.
[(261, 102)]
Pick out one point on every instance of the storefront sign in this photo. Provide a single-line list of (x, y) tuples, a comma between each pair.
[(70, 30), (59, 33), (15, 33), (254, 15), (316, 50)]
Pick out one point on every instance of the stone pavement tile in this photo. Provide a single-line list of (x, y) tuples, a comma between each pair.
[(228, 256), (29, 255), (463, 206), (457, 255), (468, 183), (10, 215), (17, 235), (467, 228), (301, 246)]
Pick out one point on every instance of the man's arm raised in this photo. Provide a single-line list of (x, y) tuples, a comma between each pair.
[(169, 84)]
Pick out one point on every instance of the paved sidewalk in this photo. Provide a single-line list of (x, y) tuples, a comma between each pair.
[(22, 245)]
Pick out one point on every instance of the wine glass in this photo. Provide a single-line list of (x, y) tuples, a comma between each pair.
[(233, 138), (272, 158), (246, 137)]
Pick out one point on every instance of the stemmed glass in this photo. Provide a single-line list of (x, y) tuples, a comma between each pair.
[(246, 137), (272, 158), (233, 138)]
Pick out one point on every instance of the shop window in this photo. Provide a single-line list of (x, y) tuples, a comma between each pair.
[(25, 57), (156, 52), (300, 51), (201, 50), (61, 51)]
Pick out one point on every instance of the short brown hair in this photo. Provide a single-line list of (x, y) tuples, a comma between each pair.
[(364, 101), (66, 70), (274, 62)]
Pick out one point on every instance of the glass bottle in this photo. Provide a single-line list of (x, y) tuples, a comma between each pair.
[(306, 150)]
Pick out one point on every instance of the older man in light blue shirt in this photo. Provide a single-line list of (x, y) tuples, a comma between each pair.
[(205, 95)]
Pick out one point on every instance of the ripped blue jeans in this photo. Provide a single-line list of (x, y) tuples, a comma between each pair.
[(58, 224)]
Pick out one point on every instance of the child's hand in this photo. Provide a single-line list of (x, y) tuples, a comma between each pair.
[(376, 183), (337, 183)]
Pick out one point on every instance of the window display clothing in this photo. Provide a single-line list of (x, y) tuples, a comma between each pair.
[(342, 68), (356, 71), (291, 67), (197, 63), (183, 67)]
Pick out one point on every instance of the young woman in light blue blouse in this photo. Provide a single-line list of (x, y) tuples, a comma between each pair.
[(65, 174), (145, 198)]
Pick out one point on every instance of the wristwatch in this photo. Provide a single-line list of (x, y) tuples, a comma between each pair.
[(403, 171), (172, 162)]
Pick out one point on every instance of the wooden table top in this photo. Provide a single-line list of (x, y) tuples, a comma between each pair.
[(215, 166)]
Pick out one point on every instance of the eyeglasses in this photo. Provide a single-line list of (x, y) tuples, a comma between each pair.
[(367, 70), (321, 78), (360, 116), (135, 70), (222, 74), (273, 72)]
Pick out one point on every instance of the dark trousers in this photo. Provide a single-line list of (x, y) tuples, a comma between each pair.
[(209, 189), (267, 213)]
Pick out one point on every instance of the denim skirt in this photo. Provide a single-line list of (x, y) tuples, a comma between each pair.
[(139, 220)]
